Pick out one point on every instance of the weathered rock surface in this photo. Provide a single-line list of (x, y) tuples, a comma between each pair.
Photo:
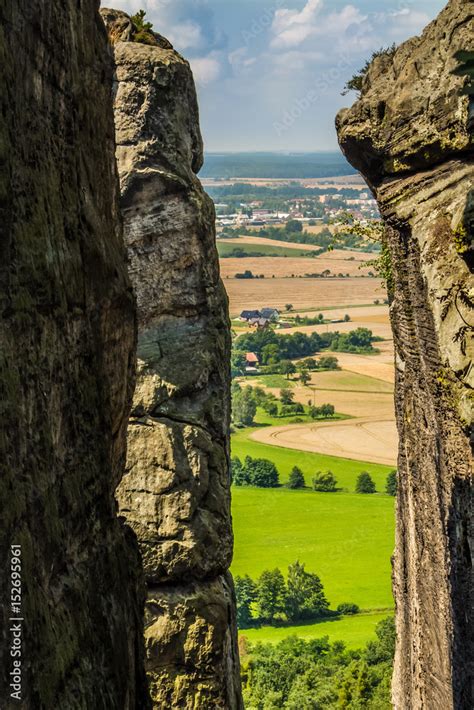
[(409, 136), (67, 351), (175, 494)]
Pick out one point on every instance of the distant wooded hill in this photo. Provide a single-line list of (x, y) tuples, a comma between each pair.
[(275, 165)]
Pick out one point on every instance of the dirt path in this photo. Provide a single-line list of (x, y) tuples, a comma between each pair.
[(363, 439)]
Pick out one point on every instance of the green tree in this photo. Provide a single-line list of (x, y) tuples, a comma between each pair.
[(290, 410), (286, 396), (271, 408), (348, 608), (288, 307), (144, 29), (296, 479), (328, 363), (392, 484), (238, 362), (261, 473), (246, 595), (383, 649), (294, 226), (287, 368), (310, 364), (365, 483), (305, 597), (271, 354), (356, 688), (327, 410), (244, 408), (305, 377), (259, 395), (239, 474), (271, 595), (140, 23), (325, 482)]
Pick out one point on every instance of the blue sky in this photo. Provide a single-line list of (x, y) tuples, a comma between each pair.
[(270, 72)]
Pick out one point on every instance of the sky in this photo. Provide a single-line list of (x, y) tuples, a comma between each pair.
[(270, 73)]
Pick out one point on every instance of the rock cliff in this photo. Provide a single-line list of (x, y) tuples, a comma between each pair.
[(409, 136), (67, 355), (176, 492)]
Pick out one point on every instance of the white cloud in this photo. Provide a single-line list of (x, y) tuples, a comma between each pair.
[(406, 22), (285, 18), (292, 28), (240, 61), (206, 69), (188, 35)]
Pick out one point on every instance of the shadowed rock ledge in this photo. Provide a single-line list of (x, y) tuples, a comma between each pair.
[(176, 492), (67, 356), (409, 136)]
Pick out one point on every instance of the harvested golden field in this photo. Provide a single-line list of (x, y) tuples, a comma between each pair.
[(370, 436), (303, 294), (263, 241), (288, 267), (359, 439), (347, 255), (380, 366), (376, 318), (318, 228), (373, 405)]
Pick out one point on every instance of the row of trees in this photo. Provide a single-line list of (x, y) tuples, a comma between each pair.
[(317, 320), (357, 341), (262, 473), (245, 402), (272, 349), (304, 367), (300, 597), (327, 482)]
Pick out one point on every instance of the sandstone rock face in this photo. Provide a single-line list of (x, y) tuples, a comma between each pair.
[(409, 136), (67, 353), (176, 492)]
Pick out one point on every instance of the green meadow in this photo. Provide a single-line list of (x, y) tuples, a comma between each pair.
[(345, 470), (355, 631), (347, 539)]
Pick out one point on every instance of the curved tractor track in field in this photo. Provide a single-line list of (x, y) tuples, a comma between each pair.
[(367, 439)]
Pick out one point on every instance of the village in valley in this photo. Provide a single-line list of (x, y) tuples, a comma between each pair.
[(262, 203)]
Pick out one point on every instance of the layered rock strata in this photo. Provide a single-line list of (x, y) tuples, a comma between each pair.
[(409, 135), (67, 356), (175, 494)]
